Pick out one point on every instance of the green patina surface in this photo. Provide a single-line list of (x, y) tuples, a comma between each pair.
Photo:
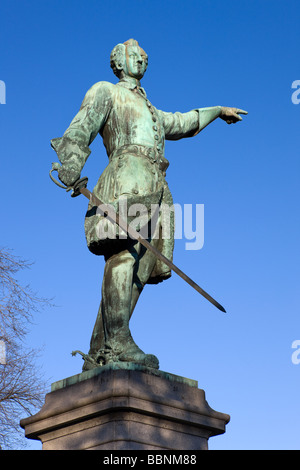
[(133, 131)]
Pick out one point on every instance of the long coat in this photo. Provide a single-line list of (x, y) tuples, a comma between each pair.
[(133, 133)]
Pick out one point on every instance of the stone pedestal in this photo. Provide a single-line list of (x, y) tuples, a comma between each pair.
[(125, 407)]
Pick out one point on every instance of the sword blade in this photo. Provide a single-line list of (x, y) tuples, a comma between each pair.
[(135, 235)]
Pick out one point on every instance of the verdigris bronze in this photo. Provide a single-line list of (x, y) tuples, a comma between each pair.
[(134, 134)]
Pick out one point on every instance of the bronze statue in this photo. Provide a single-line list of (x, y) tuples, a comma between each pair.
[(133, 133)]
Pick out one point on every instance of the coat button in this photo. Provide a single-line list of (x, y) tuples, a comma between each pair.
[(151, 153)]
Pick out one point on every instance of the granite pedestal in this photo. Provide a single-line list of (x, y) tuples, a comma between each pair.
[(125, 407)]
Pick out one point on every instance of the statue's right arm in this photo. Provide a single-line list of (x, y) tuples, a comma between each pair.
[(73, 148)]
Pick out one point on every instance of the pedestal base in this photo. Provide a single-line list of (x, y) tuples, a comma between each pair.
[(125, 407)]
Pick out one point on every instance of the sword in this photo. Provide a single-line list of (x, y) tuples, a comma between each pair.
[(80, 187)]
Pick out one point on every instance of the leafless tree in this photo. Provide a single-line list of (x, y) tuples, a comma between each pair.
[(22, 387)]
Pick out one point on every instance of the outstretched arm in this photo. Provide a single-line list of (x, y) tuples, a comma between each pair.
[(230, 115), (180, 125)]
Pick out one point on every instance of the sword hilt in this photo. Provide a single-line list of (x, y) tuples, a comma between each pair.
[(80, 183)]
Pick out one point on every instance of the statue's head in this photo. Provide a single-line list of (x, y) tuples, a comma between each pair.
[(129, 59)]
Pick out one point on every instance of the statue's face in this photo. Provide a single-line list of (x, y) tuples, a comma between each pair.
[(135, 62)]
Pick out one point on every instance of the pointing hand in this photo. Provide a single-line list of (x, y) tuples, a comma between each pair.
[(231, 115)]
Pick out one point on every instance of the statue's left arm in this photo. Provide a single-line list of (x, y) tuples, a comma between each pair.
[(179, 125)]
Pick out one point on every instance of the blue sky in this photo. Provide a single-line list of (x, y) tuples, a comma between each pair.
[(201, 53)]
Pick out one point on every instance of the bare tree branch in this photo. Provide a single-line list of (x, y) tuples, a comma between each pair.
[(22, 388)]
